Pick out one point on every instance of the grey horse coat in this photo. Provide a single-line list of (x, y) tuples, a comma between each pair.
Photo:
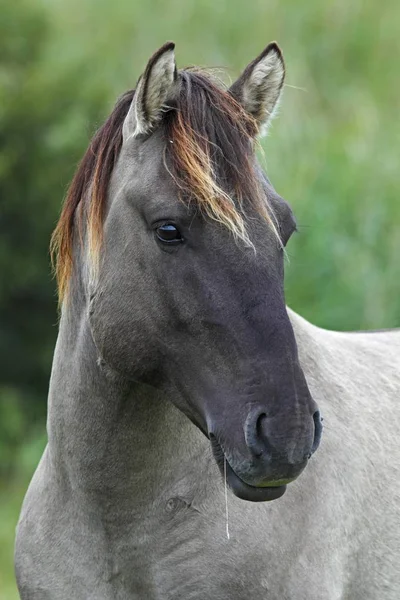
[(128, 501)]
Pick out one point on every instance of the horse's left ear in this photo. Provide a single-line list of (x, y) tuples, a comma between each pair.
[(259, 87), (153, 91)]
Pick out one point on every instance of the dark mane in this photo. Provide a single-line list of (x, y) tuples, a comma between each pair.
[(93, 174), (210, 158)]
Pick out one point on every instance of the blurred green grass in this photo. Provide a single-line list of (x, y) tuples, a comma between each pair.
[(12, 491), (11, 495), (332, 153)]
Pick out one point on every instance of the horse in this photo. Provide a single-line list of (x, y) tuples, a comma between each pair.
[(185, 457)]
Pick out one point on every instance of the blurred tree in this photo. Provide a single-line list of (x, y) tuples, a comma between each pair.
[(43, 132)]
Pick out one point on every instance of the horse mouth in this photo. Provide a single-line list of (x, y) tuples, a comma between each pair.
[(243, 490), (240, 488)]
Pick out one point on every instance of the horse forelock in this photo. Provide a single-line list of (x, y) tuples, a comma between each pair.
[(209, 152)]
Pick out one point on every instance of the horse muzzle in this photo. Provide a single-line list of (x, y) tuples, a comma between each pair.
[(272, 460)]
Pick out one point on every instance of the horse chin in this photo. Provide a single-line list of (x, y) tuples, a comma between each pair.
[(241, 489), (249, 492)]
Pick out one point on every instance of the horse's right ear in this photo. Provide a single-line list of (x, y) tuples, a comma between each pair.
[(153, 91)]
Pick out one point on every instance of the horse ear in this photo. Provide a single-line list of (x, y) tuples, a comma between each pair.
[(259, 87), (154, 89)]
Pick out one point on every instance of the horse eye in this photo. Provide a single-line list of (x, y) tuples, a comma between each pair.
[(169, 234)]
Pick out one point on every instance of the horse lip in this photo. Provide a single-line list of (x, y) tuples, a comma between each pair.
[(240, 488), (249, 492)]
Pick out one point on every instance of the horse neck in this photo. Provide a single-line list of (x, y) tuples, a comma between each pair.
[(309, 339), (108, 435)]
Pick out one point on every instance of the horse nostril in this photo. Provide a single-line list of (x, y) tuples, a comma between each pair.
[(264, 443), (317, 431), (259, 422), (255, 438)]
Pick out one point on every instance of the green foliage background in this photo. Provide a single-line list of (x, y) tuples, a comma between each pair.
[(333, 154)]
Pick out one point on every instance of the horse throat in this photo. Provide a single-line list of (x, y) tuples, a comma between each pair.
[(114, 442)]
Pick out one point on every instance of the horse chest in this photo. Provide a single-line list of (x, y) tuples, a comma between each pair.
[(174, 548), (180, 551)]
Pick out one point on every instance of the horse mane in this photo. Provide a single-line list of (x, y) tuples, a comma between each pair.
[(208, 152)]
